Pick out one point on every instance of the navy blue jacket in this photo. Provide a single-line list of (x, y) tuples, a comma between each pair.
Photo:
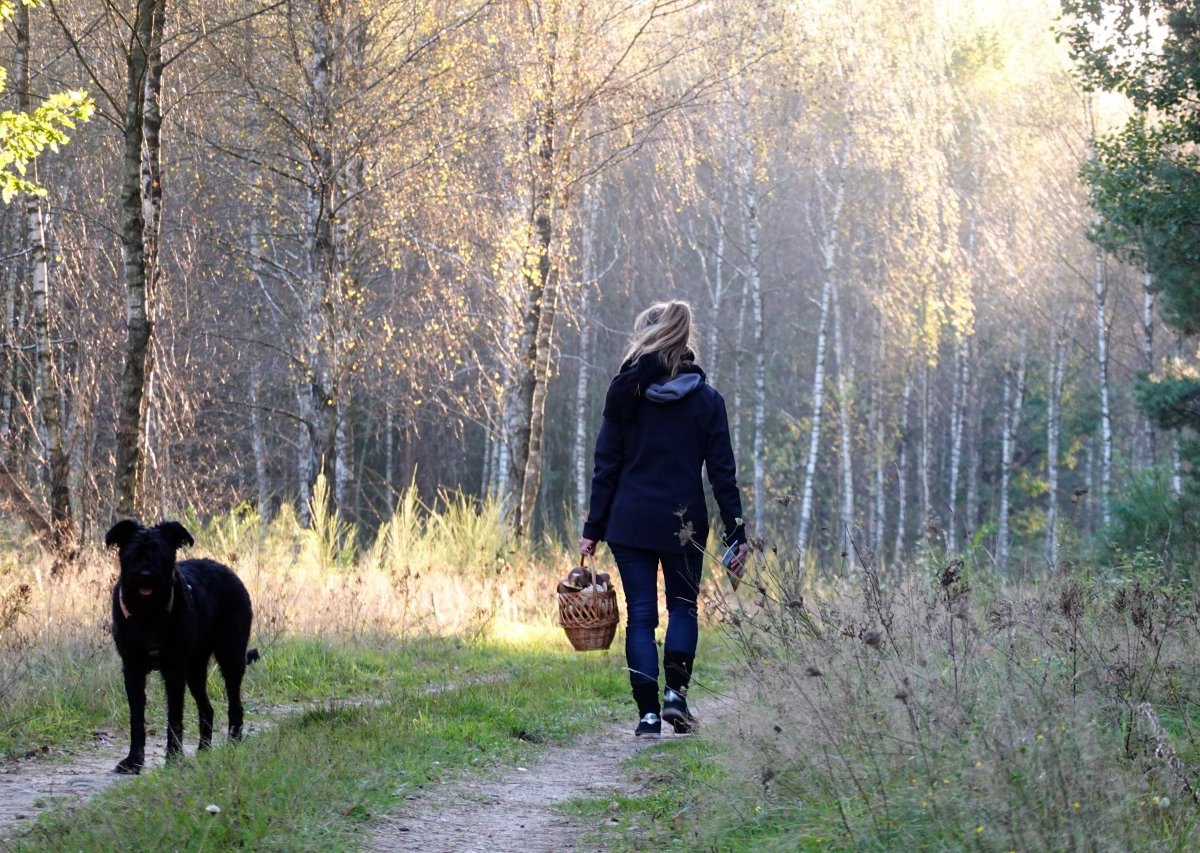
[(647, 490)]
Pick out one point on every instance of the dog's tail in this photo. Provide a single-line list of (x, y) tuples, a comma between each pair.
[(251, 656)]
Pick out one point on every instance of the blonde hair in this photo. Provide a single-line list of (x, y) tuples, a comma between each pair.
[(664, 328)]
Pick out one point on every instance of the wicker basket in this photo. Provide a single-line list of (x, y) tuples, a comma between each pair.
[(588, 616)]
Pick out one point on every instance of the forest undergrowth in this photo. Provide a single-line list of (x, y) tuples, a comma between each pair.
[(943, 708), (447, 570), (930, 707)]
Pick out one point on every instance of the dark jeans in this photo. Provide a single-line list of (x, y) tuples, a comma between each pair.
[(639, 579)]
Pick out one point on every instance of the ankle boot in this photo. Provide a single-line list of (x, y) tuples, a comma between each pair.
[(675, 711), (646, 697)]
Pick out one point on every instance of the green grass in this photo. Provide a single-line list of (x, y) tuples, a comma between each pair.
[(403, 716)]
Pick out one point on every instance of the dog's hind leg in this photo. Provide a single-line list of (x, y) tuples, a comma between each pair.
[(174, 680), (135, 692), (198, 684), (233, 668)]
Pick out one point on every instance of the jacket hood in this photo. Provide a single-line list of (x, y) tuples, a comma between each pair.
[(674, 389)]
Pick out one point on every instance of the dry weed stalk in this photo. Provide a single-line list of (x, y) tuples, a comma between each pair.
[(1164, 751), (944, 701)]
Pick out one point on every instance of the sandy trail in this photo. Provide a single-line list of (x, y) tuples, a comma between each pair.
[(518, 810), (515, 811), (71, 775)]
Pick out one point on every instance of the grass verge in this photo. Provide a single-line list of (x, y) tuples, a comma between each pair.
[(314, 781)]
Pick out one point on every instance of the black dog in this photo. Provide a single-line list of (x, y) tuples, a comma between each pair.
[(174, 617)]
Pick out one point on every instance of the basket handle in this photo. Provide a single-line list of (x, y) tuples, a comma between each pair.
[(590, 565)]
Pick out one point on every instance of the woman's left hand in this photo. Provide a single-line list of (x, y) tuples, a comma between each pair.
[(587, 546)]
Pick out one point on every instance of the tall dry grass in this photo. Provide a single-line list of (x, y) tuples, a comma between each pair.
[(451, 568), (947, 710)]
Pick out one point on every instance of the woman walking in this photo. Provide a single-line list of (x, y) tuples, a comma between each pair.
[(662, 423)]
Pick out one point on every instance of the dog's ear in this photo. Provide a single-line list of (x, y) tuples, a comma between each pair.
[(175, 533), (121, 532)]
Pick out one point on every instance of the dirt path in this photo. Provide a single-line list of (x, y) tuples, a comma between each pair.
[(72, 775), (518, 811)]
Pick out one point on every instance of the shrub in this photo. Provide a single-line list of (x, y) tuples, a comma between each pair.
[(1148, 517)]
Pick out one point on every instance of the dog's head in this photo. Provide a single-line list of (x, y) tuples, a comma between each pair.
[(147, 556)]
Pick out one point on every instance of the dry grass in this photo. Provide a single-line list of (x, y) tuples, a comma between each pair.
[(454, 571), (945, 711)]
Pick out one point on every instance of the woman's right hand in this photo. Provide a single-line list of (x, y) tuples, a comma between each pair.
[(587, 546)]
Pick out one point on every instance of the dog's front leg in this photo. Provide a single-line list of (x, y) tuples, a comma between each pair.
[(135, 692), (174, 680)]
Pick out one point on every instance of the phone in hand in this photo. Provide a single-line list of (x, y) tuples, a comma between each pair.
[(728, 561)]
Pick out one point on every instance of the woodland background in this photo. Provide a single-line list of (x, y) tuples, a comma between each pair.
[(403, 243)]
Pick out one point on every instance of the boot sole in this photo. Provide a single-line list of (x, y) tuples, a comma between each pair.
[(680, 722)]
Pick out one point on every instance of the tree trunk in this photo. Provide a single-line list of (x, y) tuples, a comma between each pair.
[(814, 435), (829, 259), (735, 416), (153, 479), (258, 444), (928, 528), (541, 280), (845, 390), (1053, 431), (958, 417), (581, 415), (390, 480), (1176, 456), (754, 282), (875, 428), (902, 475), (49, 399), (589, 275), (317, 389), (1014, 393), (12, 361), (131, 416), (974, 429), (1145, 426), (1100, 287), (716, 298)]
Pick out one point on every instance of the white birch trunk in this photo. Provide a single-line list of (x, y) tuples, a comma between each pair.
[(48, 398), (814, 435), (902, 475), (927, 528), (1176, 466), (342, 453), (582, 481), (712, 349), (1146, 427), (258, 444), (1176, 456), (1014, 393), (875, 430), (845, 386), (829, 260), (735, 419), (958, 416), (758, 450), (973, 428), (1053, 431), (8, 393), (1100, 286), (590, 274), (305, 472)]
